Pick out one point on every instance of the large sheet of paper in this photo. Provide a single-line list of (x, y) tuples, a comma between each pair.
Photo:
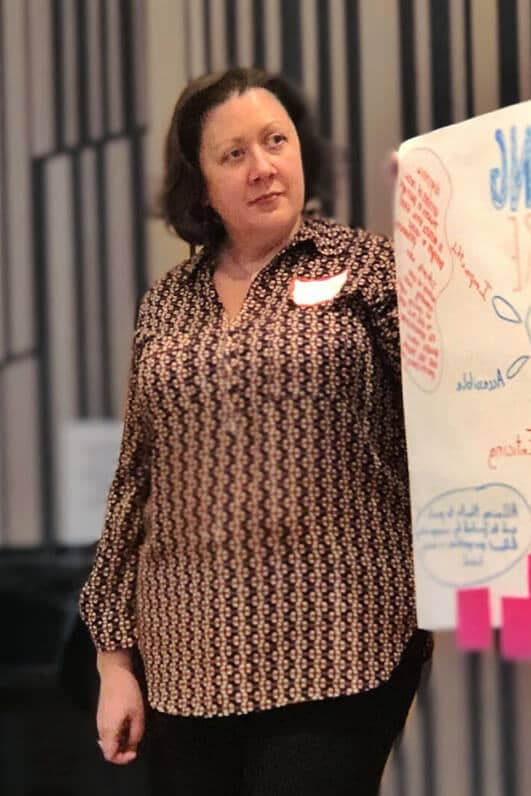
[(463, 248), (88, 454)]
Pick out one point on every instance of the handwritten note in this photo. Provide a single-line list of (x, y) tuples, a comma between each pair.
[(420, 224), (463, 247), (473, 535)]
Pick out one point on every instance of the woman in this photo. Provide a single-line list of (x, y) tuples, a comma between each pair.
[(271, 597)]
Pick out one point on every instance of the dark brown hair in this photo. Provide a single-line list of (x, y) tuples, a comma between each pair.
[(181, 201)]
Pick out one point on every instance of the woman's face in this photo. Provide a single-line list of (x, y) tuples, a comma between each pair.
[(250, 159)]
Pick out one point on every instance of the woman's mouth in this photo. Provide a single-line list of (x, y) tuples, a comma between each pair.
[(265, 198)]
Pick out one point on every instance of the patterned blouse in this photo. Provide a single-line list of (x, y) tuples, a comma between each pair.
[(277, 565)]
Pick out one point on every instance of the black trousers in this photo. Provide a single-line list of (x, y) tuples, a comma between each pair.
[(332, 747)]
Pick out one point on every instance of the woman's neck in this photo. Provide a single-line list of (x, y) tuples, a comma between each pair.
[(246, 258)]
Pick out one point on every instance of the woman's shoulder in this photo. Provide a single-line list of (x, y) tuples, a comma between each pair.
[(335, 236), (374, 250), (369, 256), (166, 289)]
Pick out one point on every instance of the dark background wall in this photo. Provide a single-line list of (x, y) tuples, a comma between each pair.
[(72, 244)]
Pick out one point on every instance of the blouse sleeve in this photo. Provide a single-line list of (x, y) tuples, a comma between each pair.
[(107, 600), (382, 299)]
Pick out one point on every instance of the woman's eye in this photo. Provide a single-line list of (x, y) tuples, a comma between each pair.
[(234, 154), (277, 138)]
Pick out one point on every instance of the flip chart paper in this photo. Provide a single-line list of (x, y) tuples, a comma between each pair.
[(474, 630), (463, 247)]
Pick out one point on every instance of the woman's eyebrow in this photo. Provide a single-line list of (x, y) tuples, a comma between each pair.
[(237, 139)]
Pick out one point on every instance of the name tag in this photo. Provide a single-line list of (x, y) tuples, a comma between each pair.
[(308, 292)]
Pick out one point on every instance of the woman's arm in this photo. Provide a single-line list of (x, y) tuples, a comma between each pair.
[(109, 661), (378, 286), (120, 716), (107, 600)]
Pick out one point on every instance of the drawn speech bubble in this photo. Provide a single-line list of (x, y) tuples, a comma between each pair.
[(472, 535), (424, 260)]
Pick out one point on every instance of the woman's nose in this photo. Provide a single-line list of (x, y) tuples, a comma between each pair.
[(262, 166)]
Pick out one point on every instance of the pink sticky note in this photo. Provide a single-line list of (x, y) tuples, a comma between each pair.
[(474, 627), (516, 628)]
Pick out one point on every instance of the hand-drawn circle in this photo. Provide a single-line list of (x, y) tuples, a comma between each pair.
[(434, 522)]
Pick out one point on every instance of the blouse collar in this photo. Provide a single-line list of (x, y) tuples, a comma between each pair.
[(328, 237)]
